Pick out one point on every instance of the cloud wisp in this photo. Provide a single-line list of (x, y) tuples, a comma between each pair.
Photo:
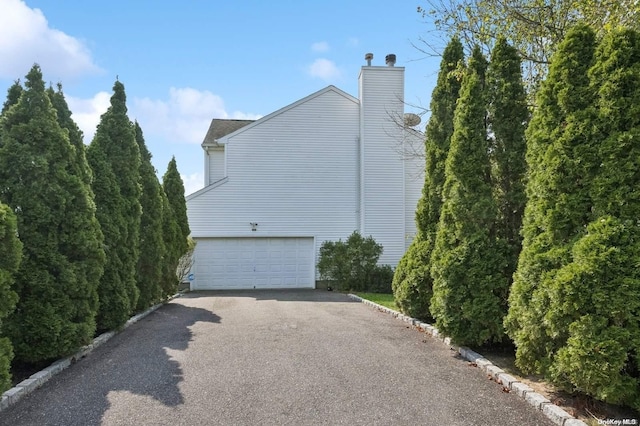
[(26, 38), (321, 46), (324, 69)]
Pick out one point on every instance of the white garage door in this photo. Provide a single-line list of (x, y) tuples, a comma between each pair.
[(248, 263)]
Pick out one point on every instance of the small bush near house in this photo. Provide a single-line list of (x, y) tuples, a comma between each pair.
[(352, 264)]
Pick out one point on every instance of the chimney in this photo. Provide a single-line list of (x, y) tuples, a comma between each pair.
[(390, 59), (368, 57)]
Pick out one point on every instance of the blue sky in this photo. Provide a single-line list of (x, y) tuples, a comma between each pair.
[(184, 63)]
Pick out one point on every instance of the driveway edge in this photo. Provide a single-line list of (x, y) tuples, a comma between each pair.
[(36, 380), (509, 383)]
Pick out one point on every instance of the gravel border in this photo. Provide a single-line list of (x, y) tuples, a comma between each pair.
[(36, 380), (509, 383)]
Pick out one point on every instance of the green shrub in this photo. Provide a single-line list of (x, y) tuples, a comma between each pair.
[(412, 284), (351, 265)]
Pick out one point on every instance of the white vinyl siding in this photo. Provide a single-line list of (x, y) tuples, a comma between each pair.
[(293, 174), (414, 181), (383, 193), (253, 263), (216, 164)]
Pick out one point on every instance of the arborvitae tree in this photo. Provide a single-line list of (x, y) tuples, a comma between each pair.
[(57, 304), (558, 204), (466, 264), (412, 285), (507, 118), (75, 134), (152, 249), (10, 257), (595, 298), (13, 95), (115, 137), (90, 262), (176, 223), (171, 237), (174, 188), (115, 306)]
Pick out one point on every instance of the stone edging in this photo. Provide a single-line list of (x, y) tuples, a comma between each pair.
[(36, 380), (556, 414)]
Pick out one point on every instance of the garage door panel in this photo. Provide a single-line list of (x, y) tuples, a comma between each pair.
[(247, 263)]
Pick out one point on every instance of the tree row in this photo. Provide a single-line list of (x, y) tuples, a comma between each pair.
[(88, 234), (528, 227)]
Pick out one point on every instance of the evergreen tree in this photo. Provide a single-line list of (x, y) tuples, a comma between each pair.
[(13, 96), (75, 134), (174, 188), (507, 116), (152, 249), (115, 138), (595, 298), (560, 168), (90, 262), (171, 239), (412, 285), (115, 306), (466, 264), (56, 311), (176, 223), (10, 257)]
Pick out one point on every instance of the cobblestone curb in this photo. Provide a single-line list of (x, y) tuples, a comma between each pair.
[(509, 383), (36, 380)]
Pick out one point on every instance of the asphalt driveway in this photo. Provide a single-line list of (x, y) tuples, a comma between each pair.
[(270, 358)]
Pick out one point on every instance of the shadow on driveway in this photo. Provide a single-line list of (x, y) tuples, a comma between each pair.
[(141, 361)]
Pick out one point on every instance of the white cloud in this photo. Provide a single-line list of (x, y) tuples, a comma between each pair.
[(192, 182), (86, 112), (321, 46), (353, 42), (184, 117), (324, 69), (26, 38)]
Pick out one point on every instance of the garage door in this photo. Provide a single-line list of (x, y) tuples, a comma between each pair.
[(248, 263)]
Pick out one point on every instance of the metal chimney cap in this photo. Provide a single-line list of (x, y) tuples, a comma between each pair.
[(390, 59), (368, 57)]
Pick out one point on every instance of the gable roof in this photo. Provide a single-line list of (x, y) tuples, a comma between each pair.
[(220, 127), (223, 139)]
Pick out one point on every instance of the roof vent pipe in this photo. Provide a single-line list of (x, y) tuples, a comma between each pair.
[(390, 59), (368, 57)]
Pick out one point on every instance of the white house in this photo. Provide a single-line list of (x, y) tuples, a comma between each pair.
[(316, 170)]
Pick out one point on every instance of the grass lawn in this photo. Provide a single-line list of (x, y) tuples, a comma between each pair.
[(383, 299)]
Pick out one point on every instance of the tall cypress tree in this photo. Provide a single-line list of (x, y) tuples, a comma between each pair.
[(90, 263), (466, 264), (10, 257), (174, 188), (412, 285), (507, 117), (176, 216), (152, 248), (115, 307), (558, 202), (595, 298), (171, 238), (56, 310), (115, 137), (114, 158)]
